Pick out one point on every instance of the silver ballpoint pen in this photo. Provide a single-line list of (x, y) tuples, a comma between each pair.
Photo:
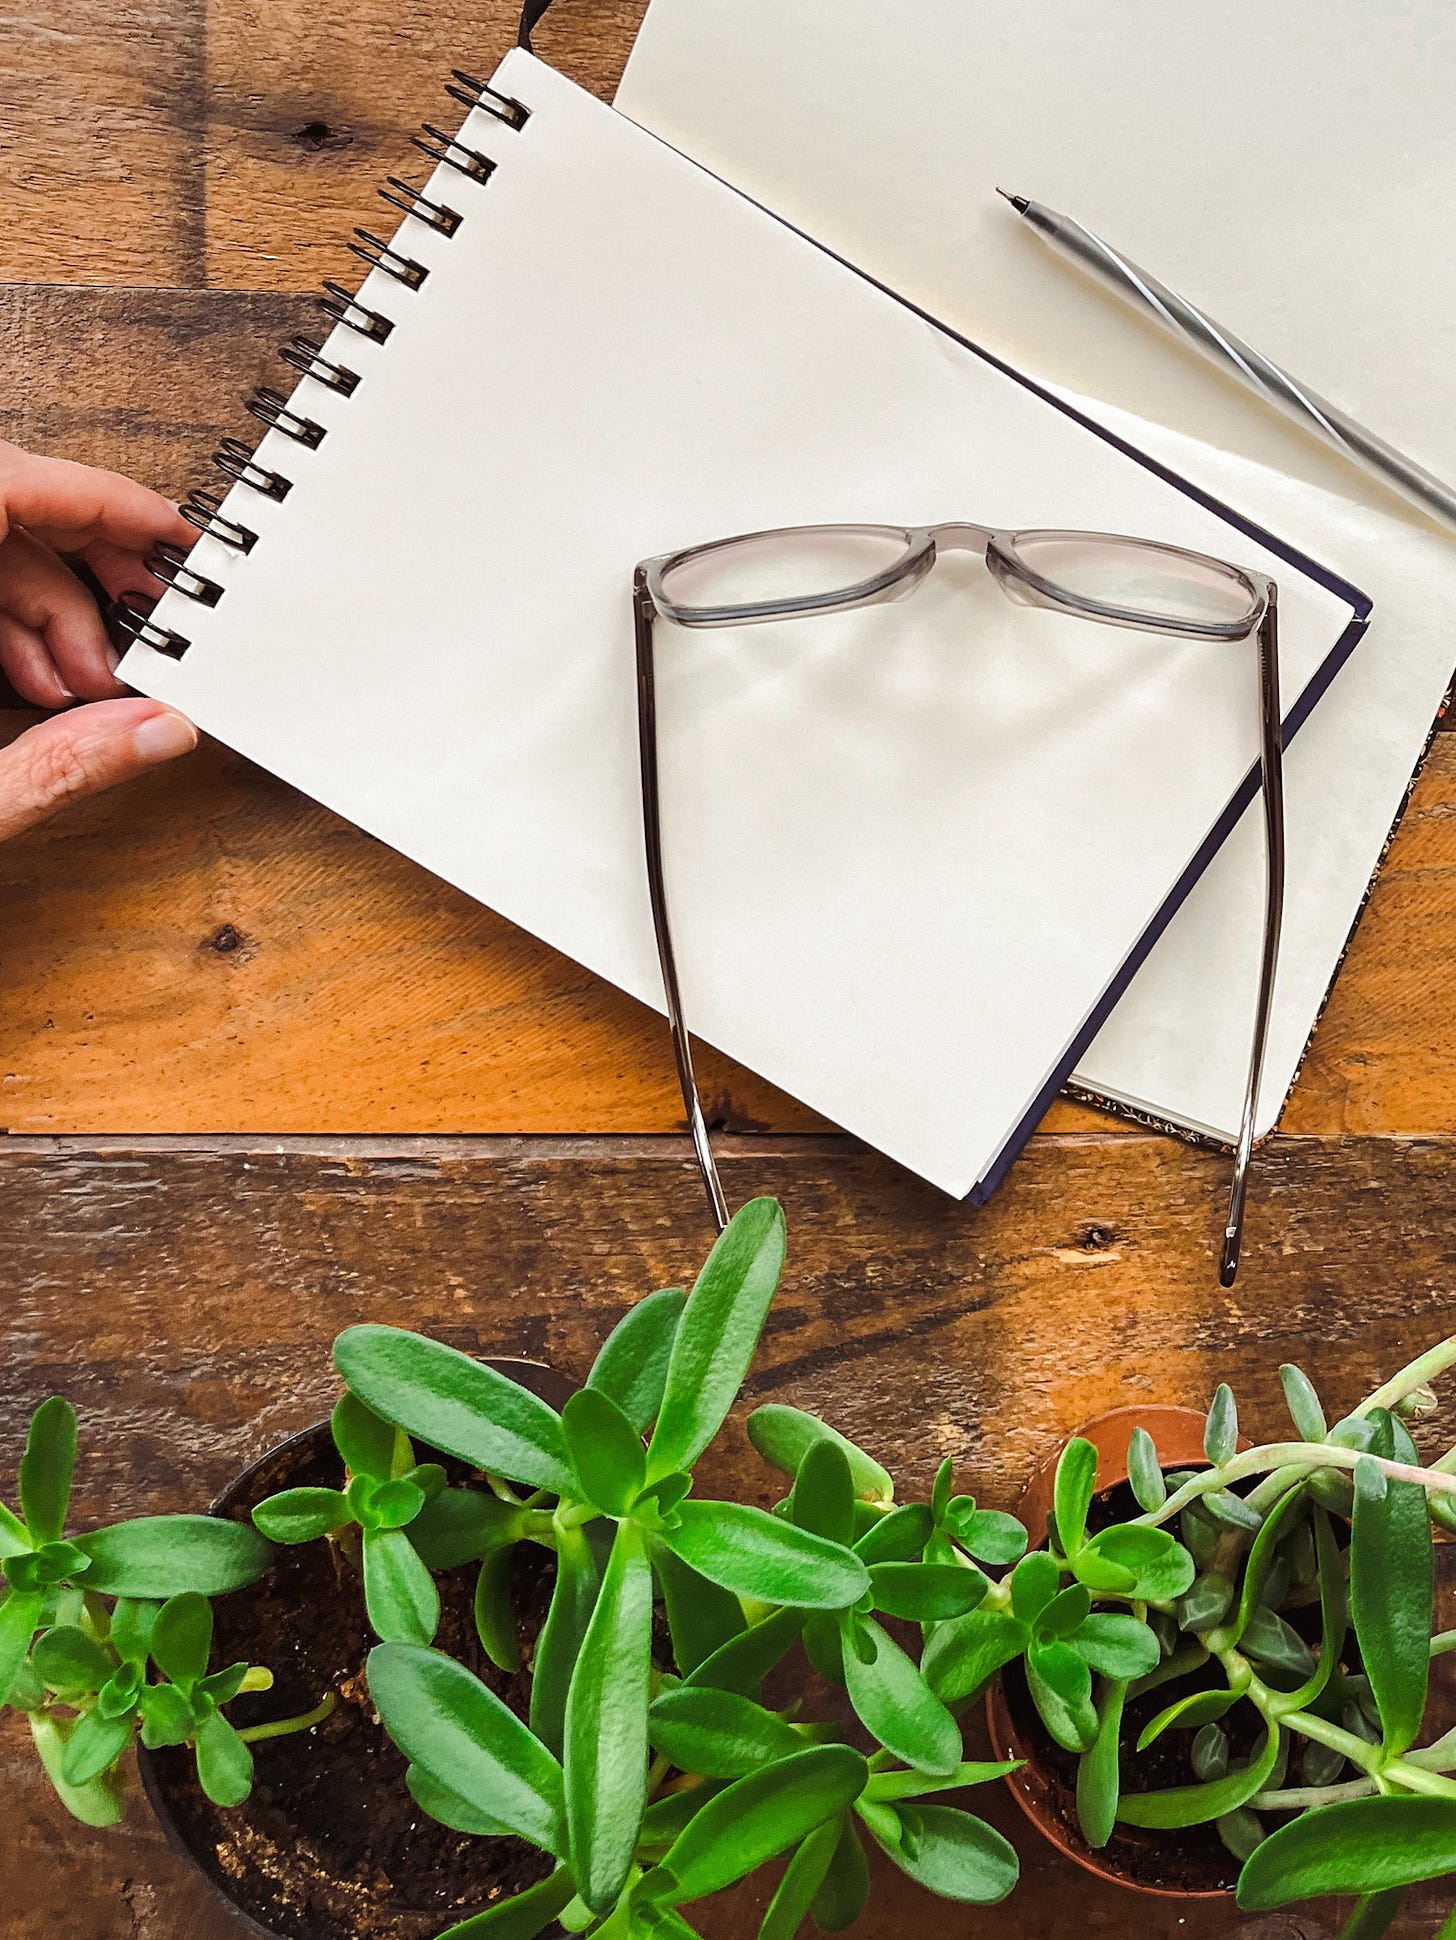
[(1316, 414)]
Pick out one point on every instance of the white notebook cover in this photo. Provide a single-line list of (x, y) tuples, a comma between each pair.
[(1286, 163), (910, 851)]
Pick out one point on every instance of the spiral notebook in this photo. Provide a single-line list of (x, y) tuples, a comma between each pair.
[(915, 852), (1320, 235)]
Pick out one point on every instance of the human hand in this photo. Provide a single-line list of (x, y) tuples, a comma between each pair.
[(53, 645)]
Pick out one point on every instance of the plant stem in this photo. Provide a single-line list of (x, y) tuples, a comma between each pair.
[(1443, 1641), (283, 1727), (1417, 1374), (1300, 1797), (1416, 1778), (1295, 1458)]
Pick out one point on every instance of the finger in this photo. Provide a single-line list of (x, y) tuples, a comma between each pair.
[(69, 506), (28, 666), (43, 594), (121, 571), (80, 753)]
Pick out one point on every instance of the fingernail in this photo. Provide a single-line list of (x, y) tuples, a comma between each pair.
[(164, 737), (113, 658), (66, 693)]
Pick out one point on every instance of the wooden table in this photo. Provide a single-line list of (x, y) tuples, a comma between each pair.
[(261, 1078)]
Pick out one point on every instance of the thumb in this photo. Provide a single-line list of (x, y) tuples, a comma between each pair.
[(83, 751)]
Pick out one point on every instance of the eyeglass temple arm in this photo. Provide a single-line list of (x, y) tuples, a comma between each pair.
[(1271, 760), (643, 614)]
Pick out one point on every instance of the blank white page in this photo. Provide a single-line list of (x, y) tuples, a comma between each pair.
[(908, 850)]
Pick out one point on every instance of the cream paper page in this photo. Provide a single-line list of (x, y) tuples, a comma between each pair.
[(908, 849), (1283, 162)]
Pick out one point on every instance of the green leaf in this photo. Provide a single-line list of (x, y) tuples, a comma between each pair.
[(896, 1704), (20, 1617), (301, 1514), (1376, 1914), (1166, 1578), (606, 1451), (68, 1660), (1209, 1753), (457, 1404), (701, 1616), (399, 1592), (1185, 1805), (1221, 1433), (606, 1725), (888, 1787), (118, 1695), (949, 1852), (367, 1445), (1230, 1509), (448, 1808), (572, 1601), (1392, 1590), (824, 1648), (46, 1468), (495, 1611), (926, 1592), (132, 1622), (523, 1916), (182, 1638), (1067, 1611), (718, 1734), (717, 1335), (1144, 1472), (1034, 1582), (784, 1435), (800, 1884), (823, 1495), (461, 1526), (1076, 1482), (224, 1762), (987, 1534), (1117, 1646), (1372, 1845), (964, 1655), (1270, 1640), (1098, 1783), (386, 1505), (1207, 1603), (760, 1816), (846, 1889), (1304, 1404), (98, 1803), (1262, 1553), (14, 1536), (460, 1733), (758, 1555), (1061, 1689), (165, 1714), (1202, 1707), (160, 1556), (94, 1745), (744, 1662), (632, 1367), (898, 1537)]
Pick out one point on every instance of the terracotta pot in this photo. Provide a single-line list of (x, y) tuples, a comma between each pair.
[(257, 1480), (1042, 1795)]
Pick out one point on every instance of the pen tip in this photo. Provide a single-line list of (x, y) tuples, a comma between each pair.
[(1019, 203)]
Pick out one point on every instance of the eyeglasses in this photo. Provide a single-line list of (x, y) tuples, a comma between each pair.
[(799, 571)]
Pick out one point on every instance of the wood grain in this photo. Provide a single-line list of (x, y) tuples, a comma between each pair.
[(185, 1301), (311, 107), (102, 113)]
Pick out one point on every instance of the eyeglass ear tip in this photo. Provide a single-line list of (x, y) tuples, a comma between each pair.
[(1228, 1266)]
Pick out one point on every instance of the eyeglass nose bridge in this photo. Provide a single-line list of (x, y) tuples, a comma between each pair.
[(959, 536)]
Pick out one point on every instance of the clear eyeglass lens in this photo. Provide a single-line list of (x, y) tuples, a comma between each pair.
[(802, 563), (1132, 578)]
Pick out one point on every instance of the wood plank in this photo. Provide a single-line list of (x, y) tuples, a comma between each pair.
[(185, 1299), (102, 159), (311, 107)]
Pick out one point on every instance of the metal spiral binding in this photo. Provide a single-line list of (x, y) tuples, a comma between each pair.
[(308, 357), (133, 621), (169, 564), (204, 510), (234, 458), (378, 255), (273, 410), (131, 613), (471, 93), (441, 147), (444, 221)]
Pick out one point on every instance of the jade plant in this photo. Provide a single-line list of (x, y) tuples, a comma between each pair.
[(1292, 1614), (651, 1778), (106, 1636)]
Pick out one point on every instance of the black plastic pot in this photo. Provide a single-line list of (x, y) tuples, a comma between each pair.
[(161, 1772)]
